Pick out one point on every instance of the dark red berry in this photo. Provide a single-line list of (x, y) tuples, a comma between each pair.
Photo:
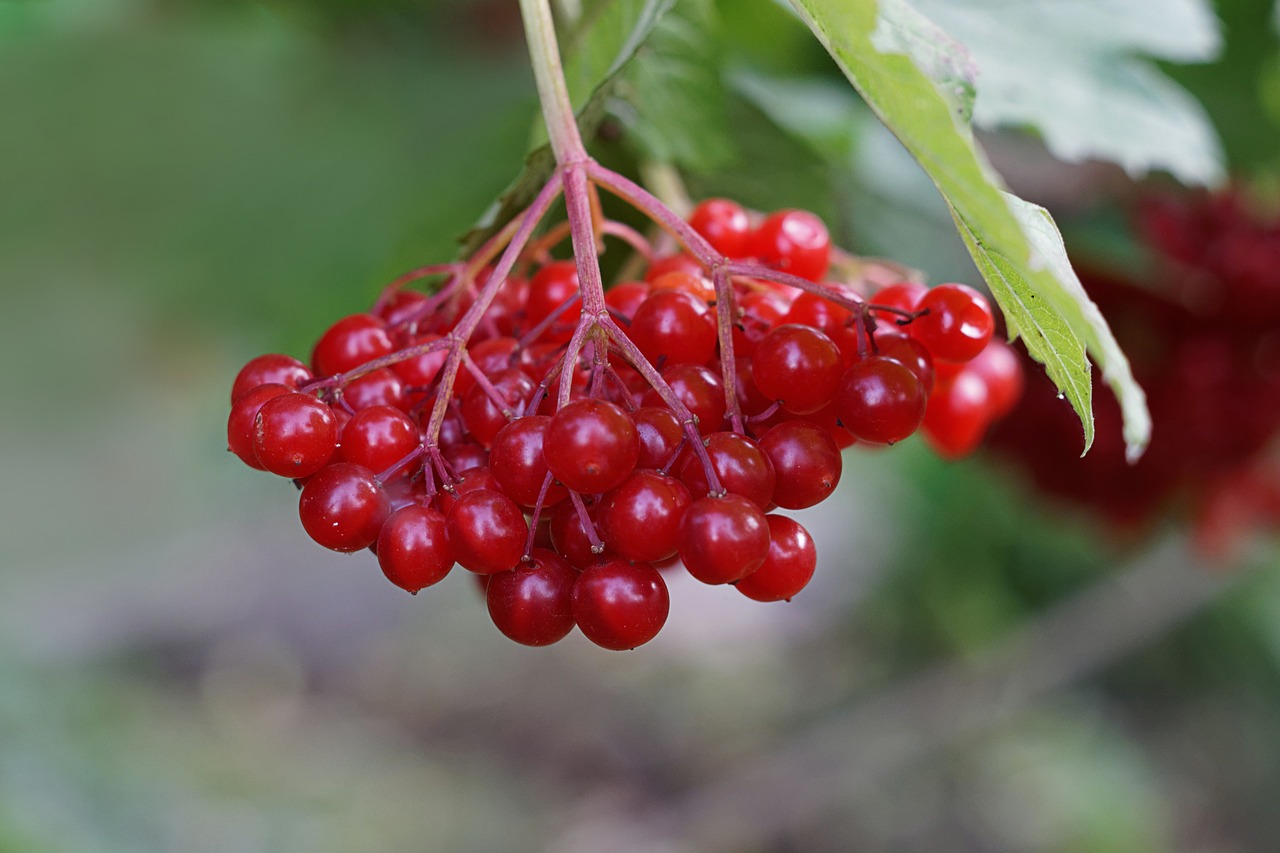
[(798, 365), (659, 433), (743, 468), (351, 342), (294, 435), (271, 369), (518, 465), (793, 241), (788, 567), (620, 605), (880, 400), (723, 539), (343, 507), (640, 519), (958, 415), (244, 413), (673, 325), (487, 531), (957, 324), (591, 446), (381, 387), (378, 437), (700, 389), (806, 461), (724, 224), (533, 603), (413, 548)]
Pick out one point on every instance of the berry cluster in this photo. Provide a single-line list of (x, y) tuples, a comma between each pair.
[(1201, 326), (565, 457)]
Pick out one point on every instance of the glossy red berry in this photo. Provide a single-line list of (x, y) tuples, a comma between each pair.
[(533, 603), (880, 401), (723, 539), (958, 415), (620, 605), (626, 297), (552, 286), (518, 465), (381, 387), (799, 366), (640, 519), (591, 446), (343, 507), (270, 369), (806, 461), (244, 413), (957, 324), (999, 367), (672, 263), (700, 389), (413, 548), (743, 468), (793, 241), (659, 433), (570, 538), (674, 326), (351, 342), (294, 435), (378, 437), (483, 415), (487, 531), (724, 224), (911, 354), (789, 566)]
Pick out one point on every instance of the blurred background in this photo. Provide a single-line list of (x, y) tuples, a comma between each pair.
[(991, 657)]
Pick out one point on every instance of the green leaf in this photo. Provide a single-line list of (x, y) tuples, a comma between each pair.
[(1041, 303), (1075, 72), (606, 38)]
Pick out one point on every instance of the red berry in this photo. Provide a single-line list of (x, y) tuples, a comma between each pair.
[(880, 400), (570, 538), (799, 366), (700, 389), (487, 531), (343, 507), (591, 446), (518, 465), (640, 519), (351, 342), (723, 539), (724, 224), (788, 567), (958, 415), (743, 468), (271, 369), (620, 605), (958, 322), (693, 283), (672, 263), (911, 354), (380, 387), (482, 414), (491, 357), (675, 326), (999, 367), (413, 548), (294, 435), (659, 434), (793, 241), (807, 463), (533, 603), (626, 297), (378, 437), (904, 296), (420, 372), (553, 286), (244, 413)]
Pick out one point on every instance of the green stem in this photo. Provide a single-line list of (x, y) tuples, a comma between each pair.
[(548, 74)]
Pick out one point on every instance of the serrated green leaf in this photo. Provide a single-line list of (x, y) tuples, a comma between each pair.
[(1074, 70), (605, 40), (1050, 311)]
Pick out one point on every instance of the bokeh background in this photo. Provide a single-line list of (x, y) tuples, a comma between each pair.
[(185, 184)]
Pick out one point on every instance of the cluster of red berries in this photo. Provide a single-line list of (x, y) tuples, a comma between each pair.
[(657, 450), (1201, 326)]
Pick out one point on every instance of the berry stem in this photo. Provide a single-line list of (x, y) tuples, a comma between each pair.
[(548, 75)]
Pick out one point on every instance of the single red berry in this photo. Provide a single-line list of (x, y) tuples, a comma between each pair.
[(958, 322), (487, 531), (743, 468), (413, 548), (482, 414), (400, 306), (694, 284), (294, 435), (381, 387), (473, 479), (910, 353), (625, 297), (723, 539), (1001, 369), (591, 446), (903, 296), (518, 465), (793, 241), (570, 539), (552, 286), (420, 372), (349, 343), (491, 356), (620, 605), (828, 418), (958, 415), (788, 567), (659, 434), (700, 389), (673, 325), (799, 366), (533, 603), (807, 463), (640, 519), (240, 423), (270, 369), (724, 224), (378, 437), (343, 507), (880, 400)]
